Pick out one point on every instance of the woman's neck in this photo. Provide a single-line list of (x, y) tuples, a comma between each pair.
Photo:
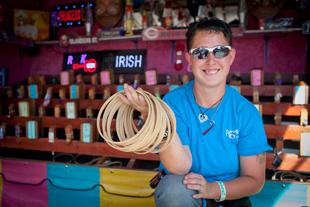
[(206, 97)]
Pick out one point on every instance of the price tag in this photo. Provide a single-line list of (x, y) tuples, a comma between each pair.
[(105, 78), (23, 109), (73, 92), (51, 137), (31, 127), (172, 87), (33, 91), (257, 79), (305, 144), (150, 77), (259, 107), (300, 95), (70, 110), (86, 132), (120, 88), (64, 78)]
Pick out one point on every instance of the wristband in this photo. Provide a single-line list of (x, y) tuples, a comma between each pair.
[(223, 191)]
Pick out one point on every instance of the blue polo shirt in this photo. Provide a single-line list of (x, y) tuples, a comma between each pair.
[(238, 130)]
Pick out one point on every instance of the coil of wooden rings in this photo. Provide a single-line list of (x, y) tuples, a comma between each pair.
[(160, 120)]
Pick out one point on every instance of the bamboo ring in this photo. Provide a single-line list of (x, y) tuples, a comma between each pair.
[(160, 120)]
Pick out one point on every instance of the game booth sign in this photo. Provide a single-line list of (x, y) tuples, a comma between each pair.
[(121, 61)]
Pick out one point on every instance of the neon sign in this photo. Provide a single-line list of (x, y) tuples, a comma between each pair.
[(89, 66), (82, 63), (128, 61), (71, 14), (124, 61), (121, 61)]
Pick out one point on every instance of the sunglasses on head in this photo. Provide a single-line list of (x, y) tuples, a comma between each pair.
[(203, 53)]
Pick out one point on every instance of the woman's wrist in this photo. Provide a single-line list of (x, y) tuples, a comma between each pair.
[(222, 190)]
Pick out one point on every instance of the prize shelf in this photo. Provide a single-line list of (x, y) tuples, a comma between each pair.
[(246, 34), (288, 132)]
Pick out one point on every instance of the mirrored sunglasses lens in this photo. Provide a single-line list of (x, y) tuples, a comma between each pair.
[(220, 52), (200, 53)]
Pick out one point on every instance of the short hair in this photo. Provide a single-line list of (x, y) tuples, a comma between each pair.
[(212, 24)]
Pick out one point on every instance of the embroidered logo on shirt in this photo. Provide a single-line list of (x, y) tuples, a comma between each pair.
[(232, 134)]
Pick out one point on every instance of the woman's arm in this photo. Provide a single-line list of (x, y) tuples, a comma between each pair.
[(251, 180), (177, 157)]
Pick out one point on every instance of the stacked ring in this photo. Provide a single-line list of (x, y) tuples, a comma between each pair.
[(160, 118)]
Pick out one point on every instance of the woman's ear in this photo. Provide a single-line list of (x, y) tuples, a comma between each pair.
[(232, 55), (188, 57)]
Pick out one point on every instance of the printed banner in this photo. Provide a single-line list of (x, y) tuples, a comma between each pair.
[(76, 185), (24, 195)]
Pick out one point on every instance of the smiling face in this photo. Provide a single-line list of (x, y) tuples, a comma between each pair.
[(212, 71)]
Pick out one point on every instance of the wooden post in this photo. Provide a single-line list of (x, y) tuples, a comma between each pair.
[(277, 95), (9, 92), (277, 78), (185, 79), (278, 117), (89, 112), (106, 93), (2, 130), (52, 134), (11, 111), (121, 79), (303, 117), (41, 111), (279, 145), (255, 94), (69, 134), (92, 93), (157, 92), (94, 79), (21, 92), (62, 93), (57, 111), (79, 78)]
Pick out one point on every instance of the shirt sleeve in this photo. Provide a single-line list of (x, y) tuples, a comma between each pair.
[(253, 138)]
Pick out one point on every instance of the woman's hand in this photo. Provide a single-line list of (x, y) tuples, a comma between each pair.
[(197, 182), (134, 99)]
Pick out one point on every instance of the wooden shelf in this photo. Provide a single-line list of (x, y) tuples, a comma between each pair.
[(75, 147), (100, 148), (100, 39), (288, 132), (289, 161), (246, 34)]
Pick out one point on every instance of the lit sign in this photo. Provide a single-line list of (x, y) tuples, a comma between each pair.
[(71, 14), (121, 61), (124, 61), (82, 63)]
